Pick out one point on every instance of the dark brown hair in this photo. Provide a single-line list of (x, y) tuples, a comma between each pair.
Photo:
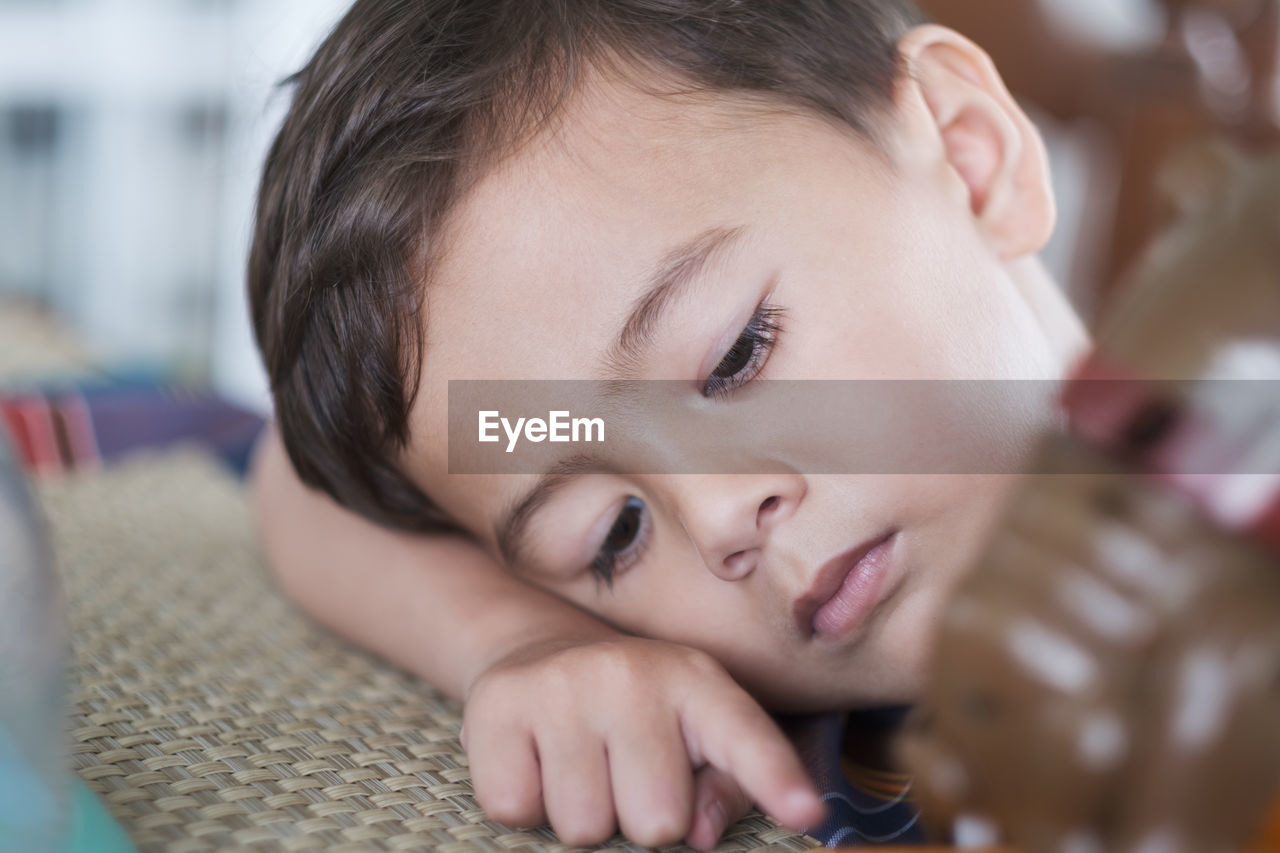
[(399, 102)]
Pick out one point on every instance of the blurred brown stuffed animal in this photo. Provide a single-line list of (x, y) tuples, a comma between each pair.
[(1108, 676)]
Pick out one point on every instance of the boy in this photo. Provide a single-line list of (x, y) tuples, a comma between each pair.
[(711, 191)]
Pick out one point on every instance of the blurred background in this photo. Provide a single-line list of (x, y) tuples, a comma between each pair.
[(131, 133)]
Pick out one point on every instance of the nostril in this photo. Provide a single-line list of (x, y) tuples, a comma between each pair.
[(738, 565), (767, 506)]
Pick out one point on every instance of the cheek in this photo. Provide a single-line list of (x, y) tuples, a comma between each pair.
[(943, 306), (901, 311), (973, 504)]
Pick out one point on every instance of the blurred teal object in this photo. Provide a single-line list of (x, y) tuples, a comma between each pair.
[(93, 829), (43, 807)]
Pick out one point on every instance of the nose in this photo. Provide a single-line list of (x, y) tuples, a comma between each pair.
[(730, 517)]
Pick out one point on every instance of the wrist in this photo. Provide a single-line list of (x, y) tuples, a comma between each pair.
[(530, 646)]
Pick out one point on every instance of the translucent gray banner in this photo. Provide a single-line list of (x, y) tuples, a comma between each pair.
[(851, 426)]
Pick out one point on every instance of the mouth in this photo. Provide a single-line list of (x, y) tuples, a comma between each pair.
[(846, 589)]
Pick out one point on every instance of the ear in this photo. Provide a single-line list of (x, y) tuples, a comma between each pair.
[(986, 138)]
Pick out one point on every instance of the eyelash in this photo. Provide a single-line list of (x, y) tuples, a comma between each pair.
[(610, 563), (760, 335)]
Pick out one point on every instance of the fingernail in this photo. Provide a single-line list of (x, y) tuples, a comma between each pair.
[(801, 801)]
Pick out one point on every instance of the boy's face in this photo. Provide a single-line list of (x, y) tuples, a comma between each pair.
[(879, 271)]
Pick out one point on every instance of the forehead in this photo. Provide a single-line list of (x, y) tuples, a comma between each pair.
[(581, 209), (545, 254)]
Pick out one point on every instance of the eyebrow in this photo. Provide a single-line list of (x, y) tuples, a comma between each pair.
[(668, 280)]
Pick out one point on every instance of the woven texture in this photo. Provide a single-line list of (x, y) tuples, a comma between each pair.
[(210, 715)]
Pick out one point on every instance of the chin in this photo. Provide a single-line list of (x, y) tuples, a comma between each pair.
[(903, 685), (907, 644)]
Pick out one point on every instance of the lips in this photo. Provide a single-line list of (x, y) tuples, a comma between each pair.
[(845, 590)]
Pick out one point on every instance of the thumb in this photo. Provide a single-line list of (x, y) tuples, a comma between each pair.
[(717, 802)]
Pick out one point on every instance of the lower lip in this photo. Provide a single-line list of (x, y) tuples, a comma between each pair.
[(859, 593)]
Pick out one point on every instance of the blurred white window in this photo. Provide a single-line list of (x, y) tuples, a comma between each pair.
[(131, 135)]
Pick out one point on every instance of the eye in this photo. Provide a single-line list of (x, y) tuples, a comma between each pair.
[(746, 358), (624, 543)]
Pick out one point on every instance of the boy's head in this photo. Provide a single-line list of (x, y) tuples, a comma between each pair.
[(407, 104), (798, 189)]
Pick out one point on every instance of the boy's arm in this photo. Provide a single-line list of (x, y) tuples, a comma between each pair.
[(566, 719)]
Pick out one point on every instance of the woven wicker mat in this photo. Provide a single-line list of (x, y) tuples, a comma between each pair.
[(210, 715)]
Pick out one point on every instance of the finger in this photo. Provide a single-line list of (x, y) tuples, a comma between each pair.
[(506, 775), (733, 733), (717, 802), (575, 787), (652, 781)]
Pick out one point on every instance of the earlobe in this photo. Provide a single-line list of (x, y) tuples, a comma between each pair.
[(986, 138)]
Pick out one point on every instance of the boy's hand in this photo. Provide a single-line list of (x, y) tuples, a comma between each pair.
[(653, 737)]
